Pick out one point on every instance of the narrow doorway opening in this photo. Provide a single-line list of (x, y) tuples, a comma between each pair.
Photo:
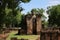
[(34, 26)]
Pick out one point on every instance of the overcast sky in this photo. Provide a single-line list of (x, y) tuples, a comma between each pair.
[(39, 4)]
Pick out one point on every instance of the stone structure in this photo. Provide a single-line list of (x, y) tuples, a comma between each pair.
[(50, 34), (33, 23), (34, 27)]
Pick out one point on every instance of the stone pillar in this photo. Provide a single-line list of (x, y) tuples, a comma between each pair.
[(42, 36), (39, 27), (54, 36), (47, 36), (29, 26)]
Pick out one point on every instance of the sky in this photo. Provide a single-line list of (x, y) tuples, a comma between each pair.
[(38, 4)]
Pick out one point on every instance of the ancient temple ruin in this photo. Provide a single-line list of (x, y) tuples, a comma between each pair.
[(34, 26), (33, 23)]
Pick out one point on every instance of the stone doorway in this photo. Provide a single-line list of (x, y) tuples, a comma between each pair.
[(34, 26)]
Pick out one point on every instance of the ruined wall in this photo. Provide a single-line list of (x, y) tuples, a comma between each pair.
[(30, 26), (39, 27), (50, 35)]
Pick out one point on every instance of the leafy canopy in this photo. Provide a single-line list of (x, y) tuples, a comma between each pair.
[(54, 15)]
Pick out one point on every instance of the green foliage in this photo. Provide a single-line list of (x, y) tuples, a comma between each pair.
[(12, 35), (25, 1), (18, 17), (39, 11), (23, 22), (10, 11), (54, 15)]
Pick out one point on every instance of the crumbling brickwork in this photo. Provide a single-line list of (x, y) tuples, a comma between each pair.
[(33, 23), (50, 34)]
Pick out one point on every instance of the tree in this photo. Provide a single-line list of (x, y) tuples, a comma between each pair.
[(39, 11), (11, 20), (9, 11), (23, 22), (54, 15)]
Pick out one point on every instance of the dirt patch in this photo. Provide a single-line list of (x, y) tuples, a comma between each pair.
[(4, 36)]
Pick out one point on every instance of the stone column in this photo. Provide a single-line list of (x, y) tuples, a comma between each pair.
[(29, 26), (39, 27)]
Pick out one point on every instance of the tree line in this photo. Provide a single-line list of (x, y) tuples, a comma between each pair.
[(10, 12), (11, 16)]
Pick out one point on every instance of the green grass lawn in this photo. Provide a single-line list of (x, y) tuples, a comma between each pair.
[(30, 37)]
